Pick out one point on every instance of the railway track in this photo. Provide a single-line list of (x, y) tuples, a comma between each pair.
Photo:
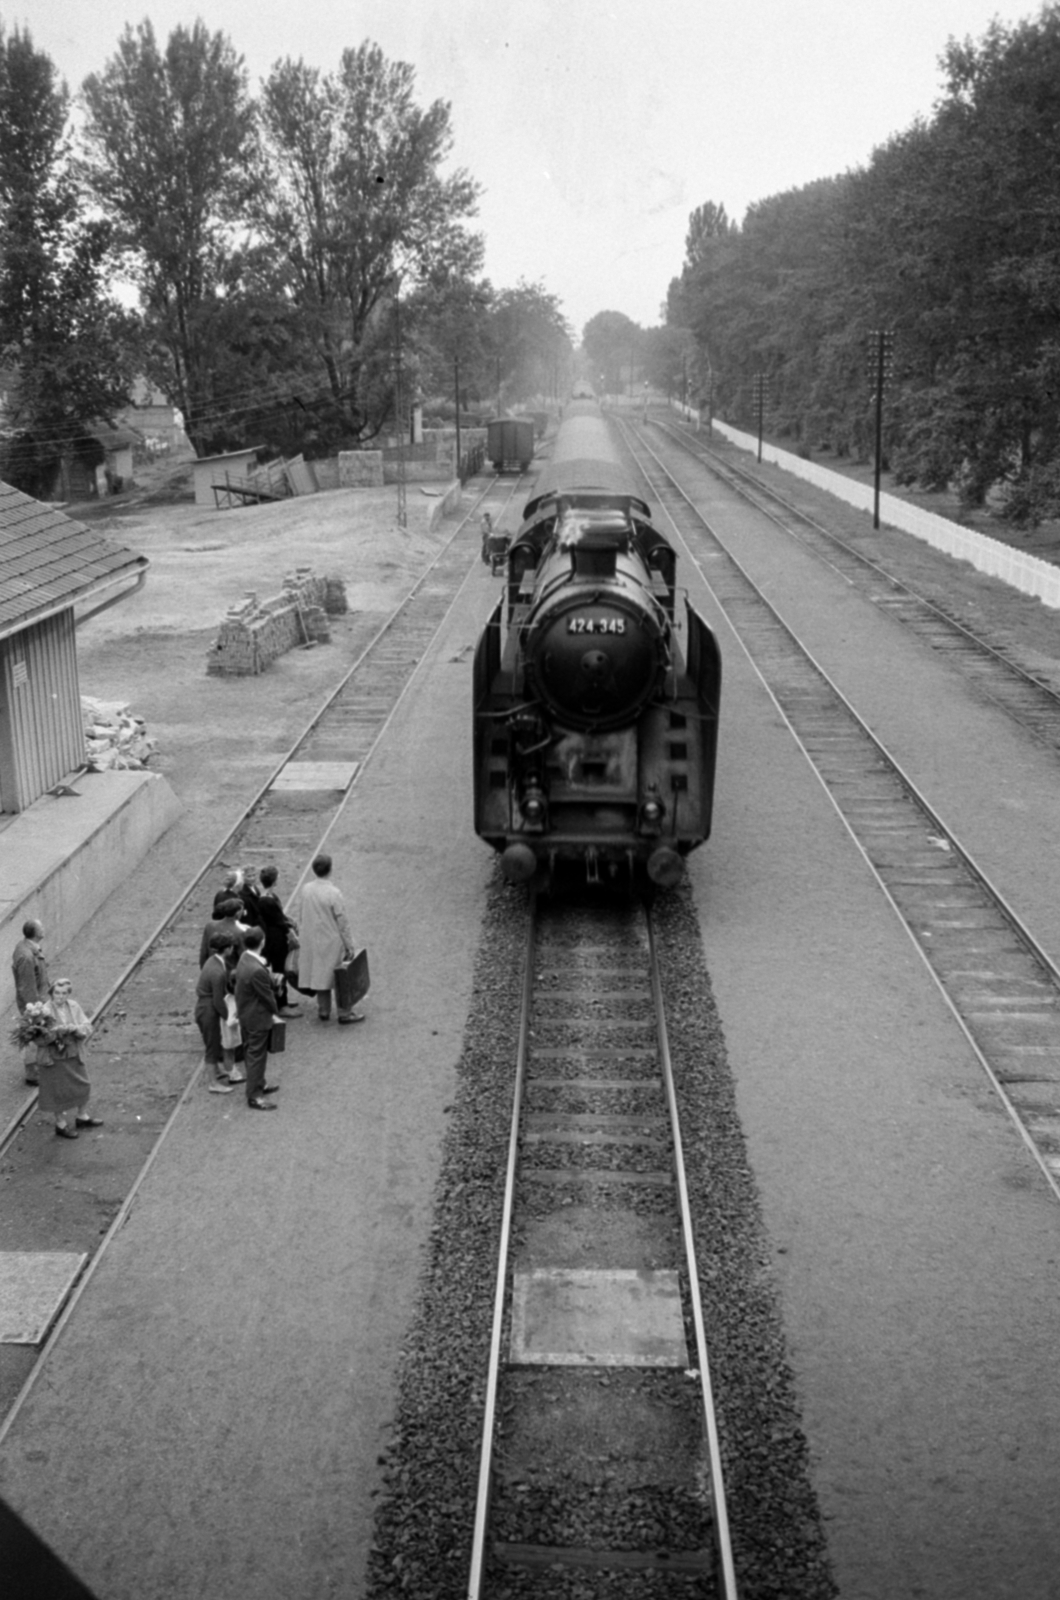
[(1001, 986), (146, 1044), (988, 664), (600, 1460)]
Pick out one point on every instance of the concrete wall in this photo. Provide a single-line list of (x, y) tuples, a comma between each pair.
[(360, 469), (448, 502), (1029, 574), (61, 858)]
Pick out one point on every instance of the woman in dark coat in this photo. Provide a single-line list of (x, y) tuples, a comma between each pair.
[(211, 1010), (277, 926)]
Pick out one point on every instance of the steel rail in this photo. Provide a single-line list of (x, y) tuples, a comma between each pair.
[(723, 1538), (746, 482), (1033, 948), (477, 1569)]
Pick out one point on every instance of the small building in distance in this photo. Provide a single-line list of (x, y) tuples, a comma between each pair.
[(159, 423), (52, 571)]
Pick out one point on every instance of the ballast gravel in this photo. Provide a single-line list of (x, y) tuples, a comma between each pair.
[(425, 1517)]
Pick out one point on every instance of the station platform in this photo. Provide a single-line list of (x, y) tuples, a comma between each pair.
[(63, 855)]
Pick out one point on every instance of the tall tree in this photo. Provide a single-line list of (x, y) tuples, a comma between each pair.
[(609, 339), (531, 342), (62, 340), (169, 138), (355, 201), (451, 318), (706, 223)]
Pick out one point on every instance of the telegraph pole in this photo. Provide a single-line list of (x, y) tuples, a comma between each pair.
[(456, 396), (759, 395), (402, 486), (881, 363)]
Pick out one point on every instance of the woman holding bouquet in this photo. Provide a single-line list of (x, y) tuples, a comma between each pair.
[(64, 1085)]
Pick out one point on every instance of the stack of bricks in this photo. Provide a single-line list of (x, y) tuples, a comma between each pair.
[(254, 633)]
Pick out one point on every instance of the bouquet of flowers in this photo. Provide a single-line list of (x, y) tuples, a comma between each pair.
[(34, 1025)]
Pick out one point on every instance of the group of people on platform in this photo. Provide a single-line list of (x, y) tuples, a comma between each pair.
[(245, 967), (251, 951)]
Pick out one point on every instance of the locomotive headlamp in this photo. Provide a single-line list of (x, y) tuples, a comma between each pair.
[(534, 808), (651, 816)]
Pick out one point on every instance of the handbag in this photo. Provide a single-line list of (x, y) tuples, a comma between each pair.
[(290, 970), (277, 1038), (352, 981), (231, 1032)]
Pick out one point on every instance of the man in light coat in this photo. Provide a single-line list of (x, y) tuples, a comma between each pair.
[(325, 937)]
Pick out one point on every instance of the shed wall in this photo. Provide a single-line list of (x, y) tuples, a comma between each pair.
[(41, 736)]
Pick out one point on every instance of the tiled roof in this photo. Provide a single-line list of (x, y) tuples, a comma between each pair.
[(49, 560)]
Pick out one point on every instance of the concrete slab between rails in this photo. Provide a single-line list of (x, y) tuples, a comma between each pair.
[(577, 1317), (62, 856), (34, 1286), (330, 775)]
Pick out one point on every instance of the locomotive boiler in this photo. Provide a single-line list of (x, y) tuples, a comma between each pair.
[(595, 733)]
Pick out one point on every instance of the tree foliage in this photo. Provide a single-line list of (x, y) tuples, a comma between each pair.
[(950, 236), (356, 206), (530, 342), (610, 340), (63, 342), (295, 255), (169, 148)]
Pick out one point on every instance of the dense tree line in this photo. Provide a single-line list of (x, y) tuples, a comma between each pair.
[(950, 237), (301, 258)]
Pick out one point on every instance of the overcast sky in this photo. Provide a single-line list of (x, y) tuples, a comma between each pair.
[(596, 126)]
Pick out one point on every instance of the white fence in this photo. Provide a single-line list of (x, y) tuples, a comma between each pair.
[(1030, 574)]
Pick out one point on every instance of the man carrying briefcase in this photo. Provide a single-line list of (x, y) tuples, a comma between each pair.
[(326, 952)]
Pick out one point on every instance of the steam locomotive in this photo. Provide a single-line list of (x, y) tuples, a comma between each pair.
[(594, 737)]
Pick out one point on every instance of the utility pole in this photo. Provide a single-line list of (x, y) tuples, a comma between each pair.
[(759, 395), (456, 397), (402, 485), (881, 363)]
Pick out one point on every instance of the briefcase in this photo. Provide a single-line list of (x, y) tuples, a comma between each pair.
[(351, 981), (277, 1038)]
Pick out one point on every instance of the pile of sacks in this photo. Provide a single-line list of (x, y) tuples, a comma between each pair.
[(115, 741)]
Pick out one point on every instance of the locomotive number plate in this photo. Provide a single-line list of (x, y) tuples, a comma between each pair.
[(596, 624)]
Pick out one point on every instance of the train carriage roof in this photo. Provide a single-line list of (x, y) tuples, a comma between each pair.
[(583, 477), (584, 460)]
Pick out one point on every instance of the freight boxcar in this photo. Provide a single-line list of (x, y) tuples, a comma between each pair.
[(510, 443)]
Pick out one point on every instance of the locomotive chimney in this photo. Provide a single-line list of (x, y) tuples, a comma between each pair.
[(595, 545), (589, 560)]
